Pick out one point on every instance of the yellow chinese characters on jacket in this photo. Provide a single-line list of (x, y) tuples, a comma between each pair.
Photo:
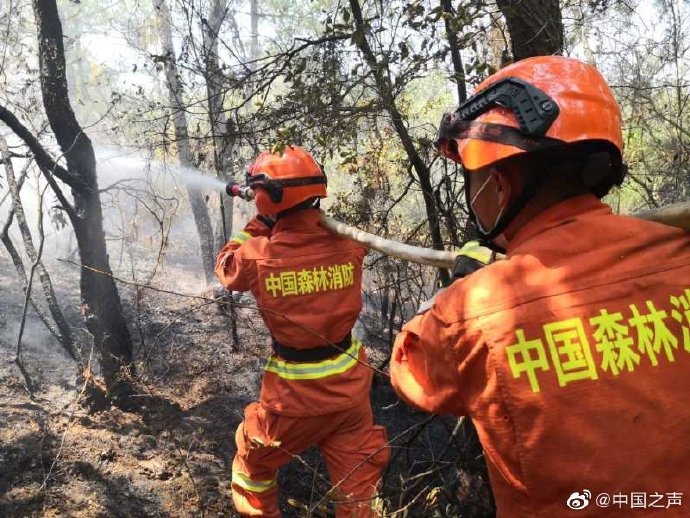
[(607, 343), (307, 286), (306, 281)]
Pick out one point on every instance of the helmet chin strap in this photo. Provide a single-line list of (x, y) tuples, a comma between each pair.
[(310, 203)]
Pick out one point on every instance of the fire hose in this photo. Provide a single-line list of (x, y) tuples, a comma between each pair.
[(677, 215)]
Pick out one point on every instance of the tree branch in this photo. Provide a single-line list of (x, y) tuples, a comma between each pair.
[(385, 90), (43, 158), (452, 37)]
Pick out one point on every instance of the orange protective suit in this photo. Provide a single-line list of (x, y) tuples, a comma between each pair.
[(572, 357), (307, 284)]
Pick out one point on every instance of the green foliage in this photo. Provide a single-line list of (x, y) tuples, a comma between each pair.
[(643, 52)]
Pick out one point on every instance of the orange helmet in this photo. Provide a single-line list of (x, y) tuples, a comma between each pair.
[(281, 181), (532, 105)]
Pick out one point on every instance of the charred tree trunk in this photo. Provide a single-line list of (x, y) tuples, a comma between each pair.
[(535, 27), (101, 306), (223, 140), (458, 76), (174, 83), (385, 90)]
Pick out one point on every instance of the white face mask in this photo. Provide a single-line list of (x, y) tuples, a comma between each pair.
[(474, 198)]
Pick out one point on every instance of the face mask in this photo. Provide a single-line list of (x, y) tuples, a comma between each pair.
[(476, 218)]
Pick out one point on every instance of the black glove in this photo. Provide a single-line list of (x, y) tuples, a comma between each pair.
[(471, 257)]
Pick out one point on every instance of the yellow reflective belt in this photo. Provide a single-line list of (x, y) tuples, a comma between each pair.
[(315, 370), (241, 237), (255, 486)]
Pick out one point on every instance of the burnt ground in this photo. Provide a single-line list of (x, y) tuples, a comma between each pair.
[(169, 453)]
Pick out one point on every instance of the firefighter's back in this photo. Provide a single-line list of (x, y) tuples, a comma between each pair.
[(308, 286), (588, 330)]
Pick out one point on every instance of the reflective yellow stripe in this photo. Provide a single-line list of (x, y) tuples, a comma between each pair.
[(474, 250), (315, 370), (255, 486), (241, 237)]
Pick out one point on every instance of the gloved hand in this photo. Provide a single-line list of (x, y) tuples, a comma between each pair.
[(471, 257)]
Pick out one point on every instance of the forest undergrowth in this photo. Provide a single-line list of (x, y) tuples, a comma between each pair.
[(169, 449)]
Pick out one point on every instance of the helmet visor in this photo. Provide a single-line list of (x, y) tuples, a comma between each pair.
[(532, 111), (274, 188), (475, 144)]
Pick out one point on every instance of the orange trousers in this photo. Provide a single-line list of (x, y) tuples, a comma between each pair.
[(354, 449)]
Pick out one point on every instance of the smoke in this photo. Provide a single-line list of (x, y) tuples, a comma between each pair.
[(149, 228), (146, 215), (40, 351)]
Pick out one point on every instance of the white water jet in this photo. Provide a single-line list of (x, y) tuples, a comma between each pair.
[(123, 166), (196, 179)]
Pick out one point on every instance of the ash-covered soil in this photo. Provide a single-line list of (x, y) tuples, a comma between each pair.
[(169, 453)]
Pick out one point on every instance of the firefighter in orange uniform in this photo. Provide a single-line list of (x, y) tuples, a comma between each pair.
[(572, 356), (315, 390)]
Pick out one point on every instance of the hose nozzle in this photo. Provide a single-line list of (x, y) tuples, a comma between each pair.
[(241, 191)]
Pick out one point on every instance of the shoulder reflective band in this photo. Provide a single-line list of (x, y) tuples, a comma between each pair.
[(255, 486), (534, 110), (241, 237), (315, 370), (451, 128), (275, 187)]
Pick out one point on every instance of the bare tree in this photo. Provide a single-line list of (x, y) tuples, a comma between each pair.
[(454, 47), (385, 91), (101, 305), (254, 15), (61, 330), (184, 153), (222, 129)]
